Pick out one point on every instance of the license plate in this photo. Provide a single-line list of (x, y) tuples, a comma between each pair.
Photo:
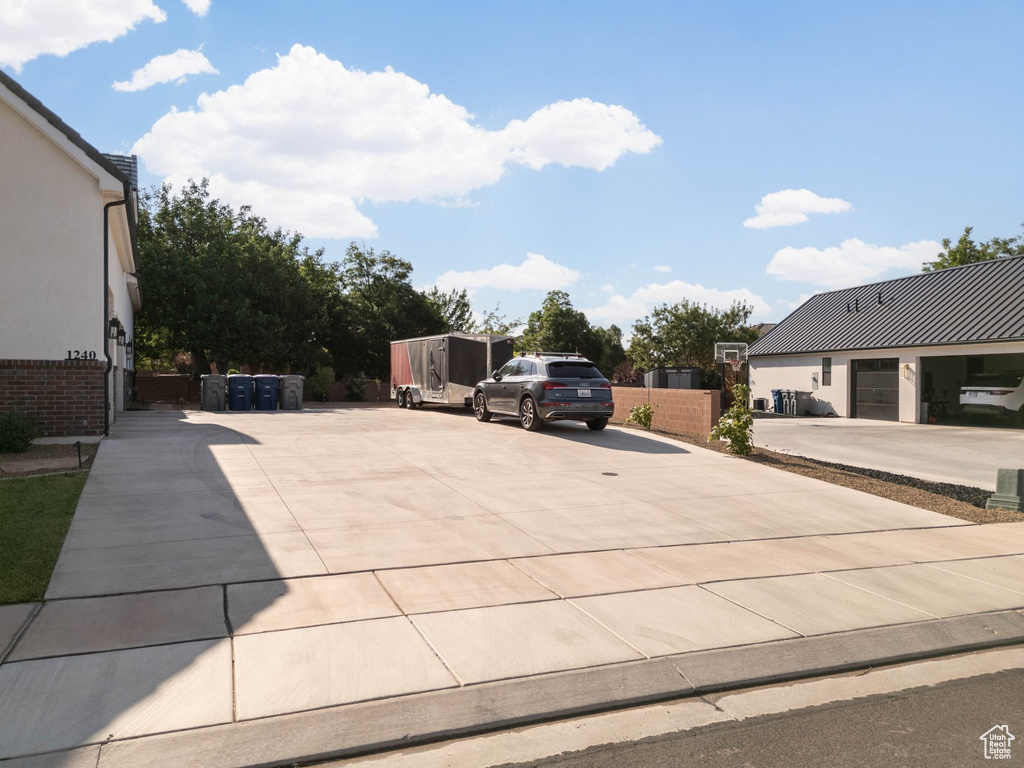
[(972, 394), (583, 393)]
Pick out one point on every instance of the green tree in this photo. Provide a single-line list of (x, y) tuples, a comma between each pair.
[(454, 306), (558, 327), (496, 322), (378, 305), (966, 251), (222, 286), (684, 334)]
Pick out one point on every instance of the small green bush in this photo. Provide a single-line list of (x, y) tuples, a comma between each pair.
[(17, 431), (736, 424), (355, 389), (318, 386), (641, 415)]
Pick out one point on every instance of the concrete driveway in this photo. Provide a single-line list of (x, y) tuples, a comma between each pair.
[(947, 454), (262, 587)]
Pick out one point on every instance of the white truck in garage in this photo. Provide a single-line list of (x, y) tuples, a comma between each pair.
[(444, 369)]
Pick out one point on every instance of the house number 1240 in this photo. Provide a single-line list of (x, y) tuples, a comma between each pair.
[(80, 354)]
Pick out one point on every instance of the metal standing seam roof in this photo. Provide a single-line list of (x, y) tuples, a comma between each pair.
[(962, 305)]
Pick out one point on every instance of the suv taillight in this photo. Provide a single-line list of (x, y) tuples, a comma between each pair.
[(554, 385)]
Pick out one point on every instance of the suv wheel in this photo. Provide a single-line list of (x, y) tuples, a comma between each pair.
[(480, 407), (400, 398), (598, 424), (528, 415)]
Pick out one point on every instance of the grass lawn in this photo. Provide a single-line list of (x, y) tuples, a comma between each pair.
[(35, 513)]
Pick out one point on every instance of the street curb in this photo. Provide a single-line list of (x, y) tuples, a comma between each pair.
[(354, 729)]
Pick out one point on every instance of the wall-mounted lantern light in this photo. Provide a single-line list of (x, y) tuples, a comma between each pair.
[(121, 335), (112, 325)]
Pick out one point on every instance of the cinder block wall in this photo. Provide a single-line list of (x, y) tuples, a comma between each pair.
[(65, 395), (682, 411)]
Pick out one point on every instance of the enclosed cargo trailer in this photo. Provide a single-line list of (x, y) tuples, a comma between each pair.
[(444, 369)]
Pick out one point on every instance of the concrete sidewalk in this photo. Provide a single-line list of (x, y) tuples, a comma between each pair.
[(271, 587)]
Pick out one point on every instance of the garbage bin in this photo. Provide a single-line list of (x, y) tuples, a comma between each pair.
[(291, 392), (240, 392), (788, 402), (804, 404), (777, 401), (266, 387), (213, 392)]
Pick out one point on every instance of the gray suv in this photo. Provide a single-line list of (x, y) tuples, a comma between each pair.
[(546, 386)]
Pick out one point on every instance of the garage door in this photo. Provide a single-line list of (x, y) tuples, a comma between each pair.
[(876, 389)]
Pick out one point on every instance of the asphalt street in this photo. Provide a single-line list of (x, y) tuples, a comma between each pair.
[(936, 727)]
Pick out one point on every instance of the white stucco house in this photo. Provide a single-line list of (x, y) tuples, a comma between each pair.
[(68, 257), (900, 349)]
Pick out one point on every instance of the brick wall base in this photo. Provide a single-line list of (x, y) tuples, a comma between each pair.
[(66, 396), (682, 411)]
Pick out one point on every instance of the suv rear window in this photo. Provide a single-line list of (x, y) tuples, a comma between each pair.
[(573, 369)]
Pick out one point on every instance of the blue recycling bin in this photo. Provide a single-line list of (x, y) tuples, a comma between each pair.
[(240, 388), (777, 400), (266, 387)]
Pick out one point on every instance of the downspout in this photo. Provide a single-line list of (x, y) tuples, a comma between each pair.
[(106, 310)]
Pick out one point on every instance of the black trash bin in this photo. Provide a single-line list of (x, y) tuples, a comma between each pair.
[(240, 392), (777, 400), (266, 387)]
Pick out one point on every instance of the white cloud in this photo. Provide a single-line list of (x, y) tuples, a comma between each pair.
[(172, 67), (791, 206), (312, 136), (198, 7), (608, 288), (851, 263), (535, 273), (624, 311), (663, 268), (31, 28)]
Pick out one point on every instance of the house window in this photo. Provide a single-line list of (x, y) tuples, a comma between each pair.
[(826, 371)]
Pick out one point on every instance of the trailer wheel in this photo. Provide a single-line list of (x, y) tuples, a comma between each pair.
[(400, 397), (480, 407)]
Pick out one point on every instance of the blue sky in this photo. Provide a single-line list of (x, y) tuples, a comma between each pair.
[(617, 151)]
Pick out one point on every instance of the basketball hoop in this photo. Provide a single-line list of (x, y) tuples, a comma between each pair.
[(736, 365)]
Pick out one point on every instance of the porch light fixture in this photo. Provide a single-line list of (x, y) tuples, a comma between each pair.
[(112, 325), (121, 336)]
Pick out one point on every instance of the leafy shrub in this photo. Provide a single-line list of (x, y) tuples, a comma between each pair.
[(318, 386), (641, 415), (625, 373), (736, 424), (232, 371), (17, 431), (355, 389)]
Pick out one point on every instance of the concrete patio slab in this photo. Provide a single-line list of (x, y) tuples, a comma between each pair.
[(83, 757), (132, 520), (940, 593), (125, 621), (12, 619), (822, 553), (1005, 572), (814, 604), (299, 669), (375, 502), (169, 480), (660, 622), (334, 470), (72, 701), (468, 585), (609, 526), (963, 542), (546, 491), (168, 565), (423, 542), (481, 644), (265, 606), (595, 573), (719, 562)]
